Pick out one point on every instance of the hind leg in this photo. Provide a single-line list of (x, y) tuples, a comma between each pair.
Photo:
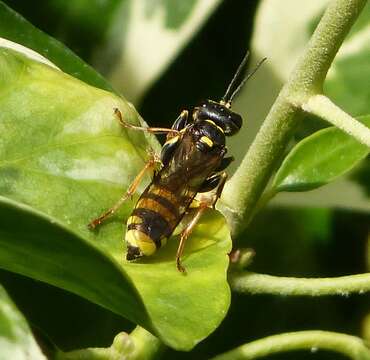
[(203, 205)]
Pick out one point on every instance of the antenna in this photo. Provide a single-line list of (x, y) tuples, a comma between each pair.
[(227, 98)]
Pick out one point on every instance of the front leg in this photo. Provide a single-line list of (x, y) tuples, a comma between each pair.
[(153, 130), (172, 141), (181, 121)]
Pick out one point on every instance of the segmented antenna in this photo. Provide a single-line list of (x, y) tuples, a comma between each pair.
[(227, 98)]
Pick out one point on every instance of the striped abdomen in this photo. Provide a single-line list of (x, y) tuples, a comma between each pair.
[(155, 217)]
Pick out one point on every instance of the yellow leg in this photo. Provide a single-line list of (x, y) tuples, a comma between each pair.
[(153, 130), (130, 191), (203, 205), (185, 234)]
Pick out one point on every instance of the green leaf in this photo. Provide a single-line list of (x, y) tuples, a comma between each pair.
[(17, 29), (16, 339), (319, 159), (64, 155)]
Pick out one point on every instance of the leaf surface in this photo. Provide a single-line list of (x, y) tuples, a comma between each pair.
[(64, 159), (319, 159)]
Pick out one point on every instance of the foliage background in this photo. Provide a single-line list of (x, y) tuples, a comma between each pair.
[(289, 240)]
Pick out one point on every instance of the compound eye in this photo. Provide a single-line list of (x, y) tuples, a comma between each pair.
[(232, 124)]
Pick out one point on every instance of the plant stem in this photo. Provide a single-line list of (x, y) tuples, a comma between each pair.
[(314, 341), (242, 192), (146, 345), (253, 283), (139, 345), (323, 107)]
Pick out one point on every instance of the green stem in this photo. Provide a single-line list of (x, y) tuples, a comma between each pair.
[(252, 283), (323, 107), (146, 346), (314, 341), (242, 192), (139, 345)]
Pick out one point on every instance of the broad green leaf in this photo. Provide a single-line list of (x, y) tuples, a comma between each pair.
[(64, 155), (149, 36), (15, 28), (16, 339), (38, 246), (319, 159)]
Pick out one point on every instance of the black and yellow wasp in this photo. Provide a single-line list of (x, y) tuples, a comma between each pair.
[(192, 161)]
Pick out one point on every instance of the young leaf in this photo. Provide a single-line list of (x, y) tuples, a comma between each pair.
[(63, 153), (16, 339), (319, 159)]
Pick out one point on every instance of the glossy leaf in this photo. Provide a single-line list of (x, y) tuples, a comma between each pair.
[(64, 155), (17, 29), (319, 159), (16, 339)]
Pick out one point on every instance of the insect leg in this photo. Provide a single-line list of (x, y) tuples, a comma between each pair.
[(226, 161), (203, 205), (213, 182), (185, 234), (220, 187), (153, 130), (210, 183), (181, 121), (130, 191), (172, 141)]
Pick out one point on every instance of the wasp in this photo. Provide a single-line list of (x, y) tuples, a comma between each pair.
[(192, 161)]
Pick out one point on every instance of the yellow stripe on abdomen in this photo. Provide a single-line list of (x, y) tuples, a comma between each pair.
[(152, 204), (136, 238)]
